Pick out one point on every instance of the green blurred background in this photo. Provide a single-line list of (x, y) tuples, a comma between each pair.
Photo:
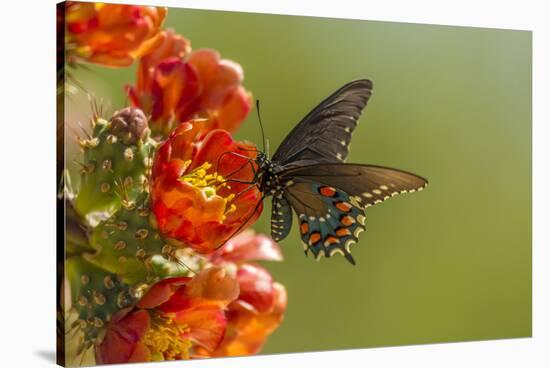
[(452, 104)]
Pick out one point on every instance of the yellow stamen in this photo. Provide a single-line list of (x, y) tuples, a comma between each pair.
[(208, 183), (165, 339)]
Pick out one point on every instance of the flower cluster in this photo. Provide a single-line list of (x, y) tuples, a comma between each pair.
[(175, 84), (168, 265), (110, 34)]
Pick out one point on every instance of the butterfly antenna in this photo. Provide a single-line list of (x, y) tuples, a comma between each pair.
[(261, 125)]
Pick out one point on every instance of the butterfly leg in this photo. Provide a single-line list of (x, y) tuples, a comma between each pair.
[(244, 191), (248, 159), (244, 223)]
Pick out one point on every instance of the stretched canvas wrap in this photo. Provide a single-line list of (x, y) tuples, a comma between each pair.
[(201, 154)]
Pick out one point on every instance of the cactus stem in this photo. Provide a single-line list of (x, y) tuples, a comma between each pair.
[(122, 259)]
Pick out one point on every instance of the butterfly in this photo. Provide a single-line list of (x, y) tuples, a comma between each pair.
[(307, 175)]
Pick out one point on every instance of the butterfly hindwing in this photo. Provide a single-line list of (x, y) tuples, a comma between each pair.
[(325, 133), (281, 219), (329, 219)]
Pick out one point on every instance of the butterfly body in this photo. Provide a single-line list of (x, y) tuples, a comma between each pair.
[(307, 175)]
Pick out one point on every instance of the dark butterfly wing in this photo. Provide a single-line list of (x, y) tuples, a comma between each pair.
[(324, 134), (330, 201), (329, 221), (281, 218), (366, 184)]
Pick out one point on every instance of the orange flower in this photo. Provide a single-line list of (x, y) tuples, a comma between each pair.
[(110, 34), (248, 328), (175, 317), (261, 304), (174, 86), (165, 45), (194, 196)]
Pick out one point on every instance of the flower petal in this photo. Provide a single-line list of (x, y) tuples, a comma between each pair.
[(161, 292), (215, 285), (206, 324), (122, 338), (256, 287), (247, 246), (110, 34), (236, 106)]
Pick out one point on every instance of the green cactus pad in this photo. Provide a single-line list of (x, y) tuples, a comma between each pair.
[(96, 295), (128, 244), (115, 170)]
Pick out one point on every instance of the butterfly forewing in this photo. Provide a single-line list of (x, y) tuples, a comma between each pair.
[(366, 184), (325, 133)]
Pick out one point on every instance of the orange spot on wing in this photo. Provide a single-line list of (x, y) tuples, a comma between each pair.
[(347, 220), (343, 206), (304, 228), (314, 238), (343, 232), (331, 240), (327, 191)]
